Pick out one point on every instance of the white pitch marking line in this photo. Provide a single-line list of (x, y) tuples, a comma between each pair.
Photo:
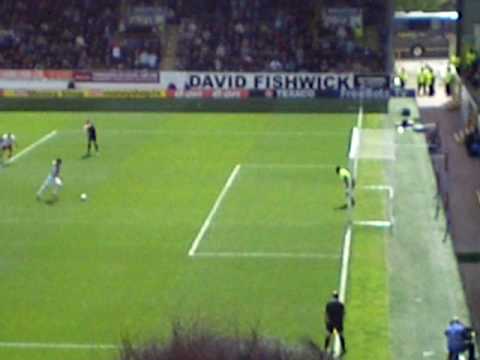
[(356, 142), (58, 346), (392, 144), (214, 209), (267, 255), (347, 242), (375, 223), (345, 262), (219, 132), (306, 166), (381, 188), (32, 146), (360, 117)]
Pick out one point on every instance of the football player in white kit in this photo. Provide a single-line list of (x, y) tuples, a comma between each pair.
[(53, 180), (7, 143)]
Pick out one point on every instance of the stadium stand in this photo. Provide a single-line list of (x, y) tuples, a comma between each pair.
[(59, 34), (231, 35), (283, 36), (247, 37), (41, 37)]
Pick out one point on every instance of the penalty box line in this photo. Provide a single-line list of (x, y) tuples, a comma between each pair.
[(216, 205), (319, 166), (32, 146), (267, 255), (214, 209)]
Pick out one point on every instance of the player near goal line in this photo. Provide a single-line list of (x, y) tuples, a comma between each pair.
[(334, 316), (349, 182)]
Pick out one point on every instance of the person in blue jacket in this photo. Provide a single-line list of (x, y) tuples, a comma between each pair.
[(460, 338)]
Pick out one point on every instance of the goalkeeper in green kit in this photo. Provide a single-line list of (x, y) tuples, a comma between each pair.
[(349, 182)]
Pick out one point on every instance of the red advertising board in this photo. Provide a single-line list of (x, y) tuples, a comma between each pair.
[(7, 74), (208, 94), (134, 76), (11, 74), (82, 76), (58, 74)]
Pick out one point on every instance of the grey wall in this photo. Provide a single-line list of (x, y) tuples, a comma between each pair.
[(470, 15)]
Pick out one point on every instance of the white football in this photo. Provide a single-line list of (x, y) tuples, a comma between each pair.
[(83, 197)]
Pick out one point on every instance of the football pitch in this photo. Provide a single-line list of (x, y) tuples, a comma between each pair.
[(230, 219)]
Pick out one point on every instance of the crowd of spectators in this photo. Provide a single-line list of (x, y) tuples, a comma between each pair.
[(221, 35), (358, 42), (57, 33), (246, 36), (263, 35), (71, 34)]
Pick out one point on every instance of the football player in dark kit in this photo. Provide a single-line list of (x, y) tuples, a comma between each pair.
[(91, 137), (334, 315)]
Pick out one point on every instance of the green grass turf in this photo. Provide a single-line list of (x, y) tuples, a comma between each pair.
[(368, 303), (295, 228), (92, 272)]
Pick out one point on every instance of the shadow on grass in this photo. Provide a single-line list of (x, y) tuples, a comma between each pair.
[(341, 207), (52, 200)]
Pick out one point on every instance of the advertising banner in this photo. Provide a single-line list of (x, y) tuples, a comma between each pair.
[(109, 94), (198, 85), (7, 74), (132, 76), (295, 94), (146, 16), (256, 81), (125, 94), (380, 81), (375, 94), (208, 94), (58, 74), (342, 16), (32, 94), (17, 75), (82, 76)]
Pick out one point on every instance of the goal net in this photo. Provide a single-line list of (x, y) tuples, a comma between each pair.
[(371, 157)]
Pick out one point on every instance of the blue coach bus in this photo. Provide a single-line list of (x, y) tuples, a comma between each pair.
[(424, 34)]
